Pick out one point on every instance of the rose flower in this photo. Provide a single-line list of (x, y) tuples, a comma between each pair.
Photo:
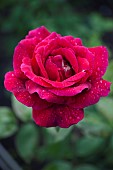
[(57, 76)]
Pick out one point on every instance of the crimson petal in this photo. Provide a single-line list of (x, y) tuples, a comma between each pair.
[(58, 115), (83, 64), (101, 88), (100, 61), (74, 41), (52, 70), (40, 53), (83, 52), (43, 93), (69, 55), (27, 69), (17, 86), (24, 49), (40, 33), (70, 91)]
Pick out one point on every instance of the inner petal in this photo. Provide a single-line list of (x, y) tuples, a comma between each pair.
[(52, 69), (69, 56), (64, 68), (58, 68), (83, 64)]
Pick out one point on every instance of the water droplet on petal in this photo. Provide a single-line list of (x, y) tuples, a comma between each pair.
[(98, 69)]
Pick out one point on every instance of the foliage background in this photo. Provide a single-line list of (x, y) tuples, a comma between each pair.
[(85, 146)]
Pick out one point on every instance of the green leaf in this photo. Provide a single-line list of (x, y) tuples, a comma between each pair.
[(55, 151), (94, 124), (60, 165), (105, 106), (60, 134), (27, 141), (88, 145), (22, 112), (8, 124), (86, 167)]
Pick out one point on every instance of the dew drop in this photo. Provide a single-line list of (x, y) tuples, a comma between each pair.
[(100, 81), (78, 117), (98, 86), (98, 69)]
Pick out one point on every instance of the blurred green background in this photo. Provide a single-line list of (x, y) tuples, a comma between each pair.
[(85, 146)]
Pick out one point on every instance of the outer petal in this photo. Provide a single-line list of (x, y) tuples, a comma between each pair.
[(70, 91), (25, 48), (74, 41), (99, 89), (17, 87), (45, 117), (58, 115), (40, 33), (44, 93), (50, 40), (12, 83), (100, 61)]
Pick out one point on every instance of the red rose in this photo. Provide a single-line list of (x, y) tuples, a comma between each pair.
[(57, 76)]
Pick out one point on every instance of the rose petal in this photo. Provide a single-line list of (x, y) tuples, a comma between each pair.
[(69, 55), (67, 116), (27, 69), (17, 87), (45, 47), (51, 45), (70, 91), (100, 62), (83, 64), (31, 100), (52, 70), (57, 115), (51, 39), (78, 41), (74, 41), (83, 52), (12, 83), (63, 42), (40, 33), (99, 89), (25, 98), (38, 57), (44, 93), (45, 117), (24, 49), (35, 66)]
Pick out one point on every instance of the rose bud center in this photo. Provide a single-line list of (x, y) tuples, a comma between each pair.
[(58, 68)]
